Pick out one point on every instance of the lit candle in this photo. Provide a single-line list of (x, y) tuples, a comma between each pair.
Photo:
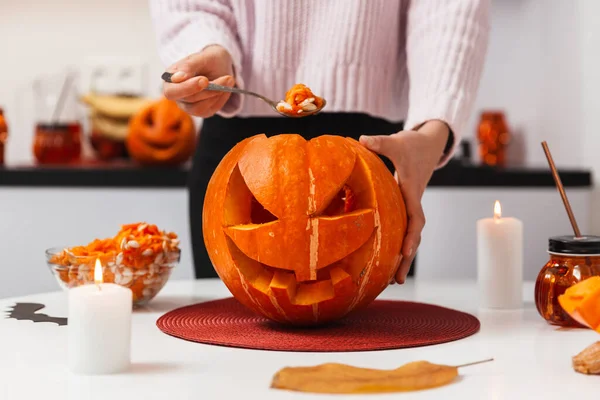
[(99, 327), (500, 261)]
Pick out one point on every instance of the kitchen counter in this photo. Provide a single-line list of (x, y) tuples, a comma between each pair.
[(94, 175), (129, 175)]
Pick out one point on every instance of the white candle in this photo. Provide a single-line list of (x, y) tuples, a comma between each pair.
[(99, 327), (500, 261)]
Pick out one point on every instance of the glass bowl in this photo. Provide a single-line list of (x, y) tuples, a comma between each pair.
[(145, 276)]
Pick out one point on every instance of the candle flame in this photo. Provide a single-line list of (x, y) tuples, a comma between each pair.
[(497, 210), (98, 272)]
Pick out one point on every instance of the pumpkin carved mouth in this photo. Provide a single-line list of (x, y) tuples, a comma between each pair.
[(163, 137), (263, 274), (301, 226)]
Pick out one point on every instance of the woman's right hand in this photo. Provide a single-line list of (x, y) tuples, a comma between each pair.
[(191, 76)]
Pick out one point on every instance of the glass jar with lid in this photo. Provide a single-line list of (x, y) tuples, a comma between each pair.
[(58, 129), (572, 259), (57, 143), (493, 136)]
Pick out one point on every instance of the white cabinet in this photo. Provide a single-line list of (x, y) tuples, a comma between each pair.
[(33, 219), (448, 247)]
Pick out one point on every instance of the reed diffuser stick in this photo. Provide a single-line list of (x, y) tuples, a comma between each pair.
[(561, 189), (64, 93)]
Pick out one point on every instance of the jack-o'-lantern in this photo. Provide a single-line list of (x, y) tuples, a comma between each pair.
[(303, 232), (161, 134)]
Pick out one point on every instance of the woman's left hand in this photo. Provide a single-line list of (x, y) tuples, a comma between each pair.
[(415, 155)]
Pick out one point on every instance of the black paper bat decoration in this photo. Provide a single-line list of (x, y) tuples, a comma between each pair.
[(27, 311)]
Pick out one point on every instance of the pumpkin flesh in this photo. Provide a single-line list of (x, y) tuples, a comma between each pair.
[(582, 302)]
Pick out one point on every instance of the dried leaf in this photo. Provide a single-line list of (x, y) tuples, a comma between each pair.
[(340, 378), (588, 361)]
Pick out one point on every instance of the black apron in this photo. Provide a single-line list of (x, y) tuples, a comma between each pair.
[(218, 135)]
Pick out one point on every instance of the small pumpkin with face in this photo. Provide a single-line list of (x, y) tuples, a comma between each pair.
[(161, 134), (303, 232)]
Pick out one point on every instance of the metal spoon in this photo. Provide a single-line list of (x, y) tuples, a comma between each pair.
[(211, 86)]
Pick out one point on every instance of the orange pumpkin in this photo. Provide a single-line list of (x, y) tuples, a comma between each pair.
[(582, 302), (303, 232), (161, 134)]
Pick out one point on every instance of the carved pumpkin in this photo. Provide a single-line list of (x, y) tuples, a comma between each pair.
[(582, 302), (161, 134), (303, 232)]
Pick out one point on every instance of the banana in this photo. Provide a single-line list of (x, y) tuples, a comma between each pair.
[(117, 107), (111, 128)]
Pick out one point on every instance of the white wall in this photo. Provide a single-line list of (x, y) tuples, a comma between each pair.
[(45, 37), (532, 72), (590, 72)]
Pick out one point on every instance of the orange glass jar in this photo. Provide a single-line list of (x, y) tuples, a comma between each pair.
[(571, 261), (3, 135), (493, 137), (106, 148), (57, 143)]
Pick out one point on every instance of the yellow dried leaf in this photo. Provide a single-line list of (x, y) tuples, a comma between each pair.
[(340, 378)]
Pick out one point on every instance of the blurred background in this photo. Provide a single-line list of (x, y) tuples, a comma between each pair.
[(67, 177)]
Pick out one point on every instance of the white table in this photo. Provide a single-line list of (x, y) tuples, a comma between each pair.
[(532, 358)]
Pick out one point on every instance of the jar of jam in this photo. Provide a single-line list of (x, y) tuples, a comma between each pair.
[(493, 137), (3, 135), (57, 143), (572, 259)]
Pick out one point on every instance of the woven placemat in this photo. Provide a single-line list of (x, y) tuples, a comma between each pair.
[(383, 325)]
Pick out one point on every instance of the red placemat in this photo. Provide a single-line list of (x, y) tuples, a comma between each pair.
[(383, 325)]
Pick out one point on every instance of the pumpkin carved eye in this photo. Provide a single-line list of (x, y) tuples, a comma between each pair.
[(149, 119), (176, 126), (343, 202), (259, 214), (299, 225)]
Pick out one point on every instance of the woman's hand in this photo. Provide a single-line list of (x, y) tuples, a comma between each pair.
[(191, 76), (415, 155)]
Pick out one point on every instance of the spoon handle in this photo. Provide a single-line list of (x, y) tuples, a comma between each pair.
[(220, 88)]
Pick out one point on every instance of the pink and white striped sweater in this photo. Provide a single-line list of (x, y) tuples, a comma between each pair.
[(411, 60)]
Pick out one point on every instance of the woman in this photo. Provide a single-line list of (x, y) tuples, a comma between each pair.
[(399, 75)]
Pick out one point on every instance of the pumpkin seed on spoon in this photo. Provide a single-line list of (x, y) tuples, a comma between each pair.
[(308, 104)]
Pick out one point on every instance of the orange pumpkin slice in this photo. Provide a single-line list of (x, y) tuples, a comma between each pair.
[(582, 302), (583, 288)]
